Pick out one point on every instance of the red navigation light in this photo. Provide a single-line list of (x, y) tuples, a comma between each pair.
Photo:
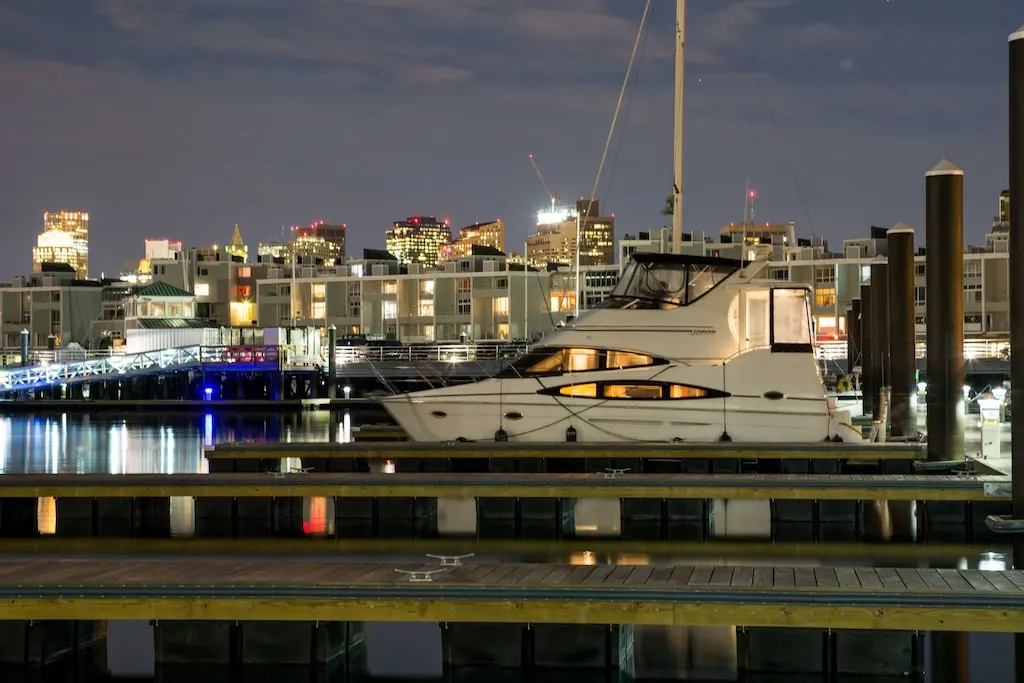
[(753, 193)]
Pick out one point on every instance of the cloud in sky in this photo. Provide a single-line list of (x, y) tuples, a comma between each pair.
[(183, 118)]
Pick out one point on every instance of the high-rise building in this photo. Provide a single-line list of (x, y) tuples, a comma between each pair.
[(489, 234), (319, 241), (65, 239), (555, 239), (417, 239)]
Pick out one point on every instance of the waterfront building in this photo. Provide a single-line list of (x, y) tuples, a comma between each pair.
[(476, 297), (319, 241), (54, 305), (490, 234), (65, 239)]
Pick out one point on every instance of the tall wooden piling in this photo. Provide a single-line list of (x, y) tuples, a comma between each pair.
[(902, 335), (879, 331), (853, 336), (1016, 268), (944, 219), (867, 367)]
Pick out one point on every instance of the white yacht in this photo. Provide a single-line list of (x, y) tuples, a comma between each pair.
[(688, 348)]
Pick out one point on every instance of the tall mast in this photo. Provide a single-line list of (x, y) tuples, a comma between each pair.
[(677, 131)]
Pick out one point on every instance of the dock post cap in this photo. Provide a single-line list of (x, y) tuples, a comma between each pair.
[(1017, 35), (899, 228), (944, 167)]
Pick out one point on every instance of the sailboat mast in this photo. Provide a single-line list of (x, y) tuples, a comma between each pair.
[(677, 131)]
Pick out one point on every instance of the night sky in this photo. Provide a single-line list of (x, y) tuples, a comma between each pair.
[(181, 118)]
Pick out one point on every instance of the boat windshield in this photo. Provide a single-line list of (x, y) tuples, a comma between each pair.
[(668, 280)]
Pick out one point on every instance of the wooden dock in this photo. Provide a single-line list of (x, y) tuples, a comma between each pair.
[(803, 487), (624, 551), (805, 597), (262, 450)]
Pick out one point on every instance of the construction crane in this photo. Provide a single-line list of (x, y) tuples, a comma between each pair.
[(553, 195)]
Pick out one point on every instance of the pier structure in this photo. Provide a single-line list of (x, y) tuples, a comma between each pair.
[(525, 616)]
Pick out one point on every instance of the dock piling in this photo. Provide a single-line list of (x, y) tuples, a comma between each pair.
[(869, 392), (944, 219), (853, 327), (902, 334), (332, 362), (879, 335), (1016, 269)]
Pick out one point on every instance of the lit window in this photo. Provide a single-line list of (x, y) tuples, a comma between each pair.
[(390, 287), (390, 310), (634, 391), (426, 308), (580, 390), (427, 286), (202, 289), (319, 290), (244, 291), (683, 391), (581, 360), (501, 305), (245, 272), (319, 310), (626, 359)]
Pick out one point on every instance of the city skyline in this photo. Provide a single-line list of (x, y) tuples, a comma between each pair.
[(853, 111)]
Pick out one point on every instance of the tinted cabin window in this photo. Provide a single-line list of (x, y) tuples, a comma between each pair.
[(683, 391), (636, 391), (580, 390), (626, 359)]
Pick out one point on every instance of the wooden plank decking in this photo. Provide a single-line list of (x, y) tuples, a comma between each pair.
[(458, 485), (247, 450), (811, 597), (626, 552)]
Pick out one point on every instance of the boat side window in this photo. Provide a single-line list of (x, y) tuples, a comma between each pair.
[(678, 391), (638, 391), (646, 392), (588, 390), (791, 321), (617, 360)]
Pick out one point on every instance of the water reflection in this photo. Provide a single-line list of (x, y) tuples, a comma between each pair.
[(172, 443)]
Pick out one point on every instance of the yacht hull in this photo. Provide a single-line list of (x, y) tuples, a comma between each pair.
[(541, 419)]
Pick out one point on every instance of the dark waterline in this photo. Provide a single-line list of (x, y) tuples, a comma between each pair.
[(174, 443)]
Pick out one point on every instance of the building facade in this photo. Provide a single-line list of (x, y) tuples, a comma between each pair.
[(490, 234), (418, 240), (557, 229), (65, 239), (472, 298), (55, 306)]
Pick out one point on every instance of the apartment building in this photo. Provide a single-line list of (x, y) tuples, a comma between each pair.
[(478, 297), (54, 305)]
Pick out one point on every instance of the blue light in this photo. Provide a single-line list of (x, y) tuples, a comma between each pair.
[(208, 391)]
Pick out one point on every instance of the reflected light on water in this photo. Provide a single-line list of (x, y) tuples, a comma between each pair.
[(152, 444), (584, 558), (992, 562), (46, 516), (318, 516), (183, 516)]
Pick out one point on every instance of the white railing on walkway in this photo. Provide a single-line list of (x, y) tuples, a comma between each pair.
[(47, 374), (440, 353)]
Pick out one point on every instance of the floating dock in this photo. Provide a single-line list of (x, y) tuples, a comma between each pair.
[(751, 596), (626, 552), (801, 487), (653, 458)]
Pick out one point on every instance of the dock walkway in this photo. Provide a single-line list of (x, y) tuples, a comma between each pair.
[(264, 450), (281, 590), (459, 485)]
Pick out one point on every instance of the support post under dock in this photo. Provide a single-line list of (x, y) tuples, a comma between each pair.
[(902, 332), (944, 219), (879, 334), (869, 392)]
